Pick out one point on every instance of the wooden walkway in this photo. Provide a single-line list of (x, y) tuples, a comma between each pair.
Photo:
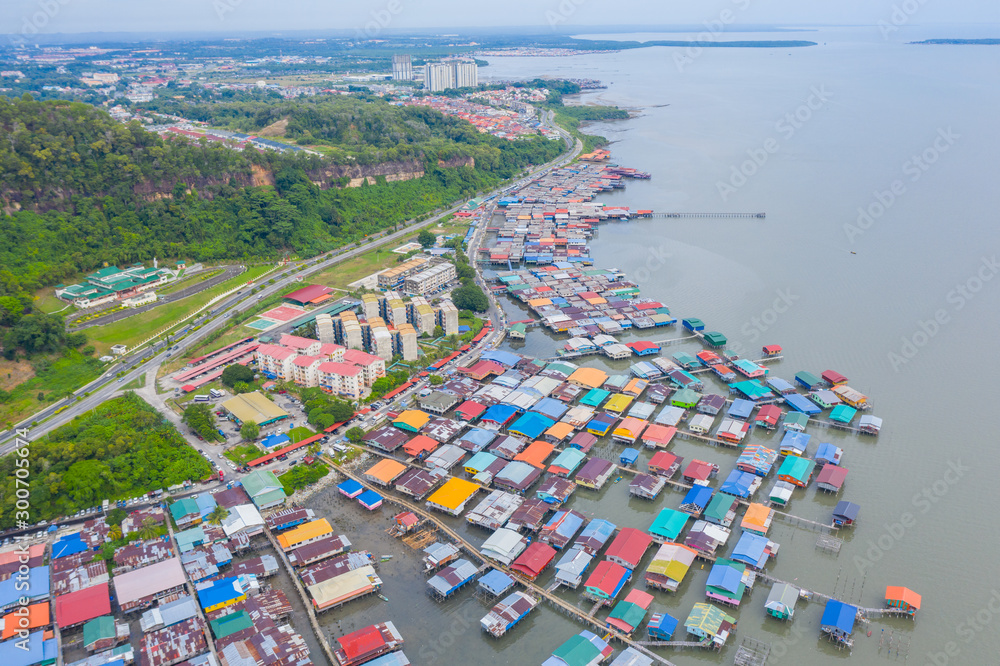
[(540, 592)]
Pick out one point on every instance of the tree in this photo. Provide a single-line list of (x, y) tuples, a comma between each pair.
[(342, 411), (198, 416), (436, 380), (426, 238), (243, 387), (438, 332), (470, 297), (355, 434), (236, 373), (217, 515), (150, 526), (250, 431), (115, 516), (115, 533)]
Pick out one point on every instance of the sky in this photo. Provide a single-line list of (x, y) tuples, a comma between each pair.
[(374, 16)]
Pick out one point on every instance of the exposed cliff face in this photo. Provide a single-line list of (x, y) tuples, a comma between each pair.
[(260, 176)]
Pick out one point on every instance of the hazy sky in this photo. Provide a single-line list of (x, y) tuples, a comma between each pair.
[(66, 16)]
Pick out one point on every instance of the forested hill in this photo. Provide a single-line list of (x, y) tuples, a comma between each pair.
[(80, 189)]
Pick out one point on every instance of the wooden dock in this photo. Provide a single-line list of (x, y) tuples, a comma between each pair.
[(758, 216)]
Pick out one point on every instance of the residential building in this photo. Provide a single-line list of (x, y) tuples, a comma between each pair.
[(342, 379), (324, 328), (395, 311), (350, 330), (372, 367), (402, 67), (422, 316), (276, 362), (404, 342), (264, 489), (431, 279), (450, 74), (306, 370), (447, 317), (395, 276)]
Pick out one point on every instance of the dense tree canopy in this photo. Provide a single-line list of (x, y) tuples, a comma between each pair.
[(120, 449)]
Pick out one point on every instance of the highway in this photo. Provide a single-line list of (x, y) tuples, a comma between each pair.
[(150, 360)]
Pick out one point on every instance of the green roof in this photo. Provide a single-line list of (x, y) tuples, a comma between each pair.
[(184, 507), (259, 482), (577, 651), (685, 397), (628, 612), (716, 339), (520, 328), (104, 272), (189, 539), (796, 467), (707, 618), (669, 524), (99, 629), (230, 624), (843, 413), (797, 418), (719, 507)]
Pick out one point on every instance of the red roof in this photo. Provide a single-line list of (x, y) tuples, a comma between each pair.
[(642, 345), (663, 460), (606, 576), (832, 475), (629, 546), (769, 414), (698, 469), (306, 294), (534, 559), (470, 409), (647, 306), (361, 642), (772, 349), (78, 607), (833, 377)]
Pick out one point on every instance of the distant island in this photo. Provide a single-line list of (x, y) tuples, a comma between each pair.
[(978, 42)]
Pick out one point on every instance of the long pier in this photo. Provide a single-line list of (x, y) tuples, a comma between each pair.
[(474, 551), (759, 216), (864, 614)]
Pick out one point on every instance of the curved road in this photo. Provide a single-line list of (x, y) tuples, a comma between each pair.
[(149, 361)]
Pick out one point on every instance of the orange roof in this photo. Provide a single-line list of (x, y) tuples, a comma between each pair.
[(560, 430), (536, 453), (305, 532), (590, 377), (386, 470), (420, 444), (756, 516), (892, 593), (38, 616)]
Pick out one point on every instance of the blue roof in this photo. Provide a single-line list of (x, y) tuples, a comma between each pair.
[(531, 425), (275, 440), (206, 503), (629, 456), (571, 522), (795, 440), (738, 483), (599, 529), (779, 384), (750, 548), (464, 329), (350, 487), (496, 582), (12, 652), (839, 615), (550, 407), (503, 358), (221, 591), (663, 622), (38, 587), (741, 409), (699, 496), (802, 404), (847, 509), (499, 413), (827, 452), (479, 437), (369, 498), (70, 544), (480, 461), (725, 577)]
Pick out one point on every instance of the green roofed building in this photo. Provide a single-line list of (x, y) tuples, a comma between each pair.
[(795, 421), (185, 512), (228, 625), (190, 539), (685, 398), (517, 331), (264, 489), (102, 633), (716, 339), (113, 283)]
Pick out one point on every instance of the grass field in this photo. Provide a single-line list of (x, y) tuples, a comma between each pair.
[(54, 378), (243, 453), (189, 281), (136, 383), (300, 433), (46, 301), (342, 274), (137, 328)]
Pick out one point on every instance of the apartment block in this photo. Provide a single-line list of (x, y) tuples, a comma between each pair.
[(341, 379), (350, 330), (324, 328), (422, 316), (447, 317), (395, 276), (370, 304), (405, 342), (372, 367), (431, 279)]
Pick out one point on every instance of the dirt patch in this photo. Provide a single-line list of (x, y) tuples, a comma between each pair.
[(261, 176), (14, 373), (275, 129)]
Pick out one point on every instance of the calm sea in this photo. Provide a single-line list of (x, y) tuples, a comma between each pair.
[(875, 162)]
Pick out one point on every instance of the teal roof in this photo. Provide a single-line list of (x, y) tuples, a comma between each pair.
[(719, 507), (189, 539), (594, 397), (629, 613), (99, 629), (843, 414), (260, 482), (669, 524), (685, 398), (184, 507), (230, 624), (796, 468)]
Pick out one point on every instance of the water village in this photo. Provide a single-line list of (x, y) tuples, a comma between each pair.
[(508, 442), (485, 480)]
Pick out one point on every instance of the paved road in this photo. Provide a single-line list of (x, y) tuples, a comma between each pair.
[(149, 361), (229, 272)]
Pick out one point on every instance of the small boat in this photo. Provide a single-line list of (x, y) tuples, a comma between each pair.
[(385, 558), (617, 479), (383, 597)]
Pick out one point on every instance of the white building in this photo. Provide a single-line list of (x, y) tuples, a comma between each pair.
[(341, 379), (432, 279), (402, 68), (447, 317), (449, 74), (372, 367)]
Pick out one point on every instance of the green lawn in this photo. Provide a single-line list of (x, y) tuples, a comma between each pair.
[(135, 329), (300, 433), (54, 379), (302, 475), (46, 302), (243, 453), (136, 383), (342, 274), (189, 281)]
